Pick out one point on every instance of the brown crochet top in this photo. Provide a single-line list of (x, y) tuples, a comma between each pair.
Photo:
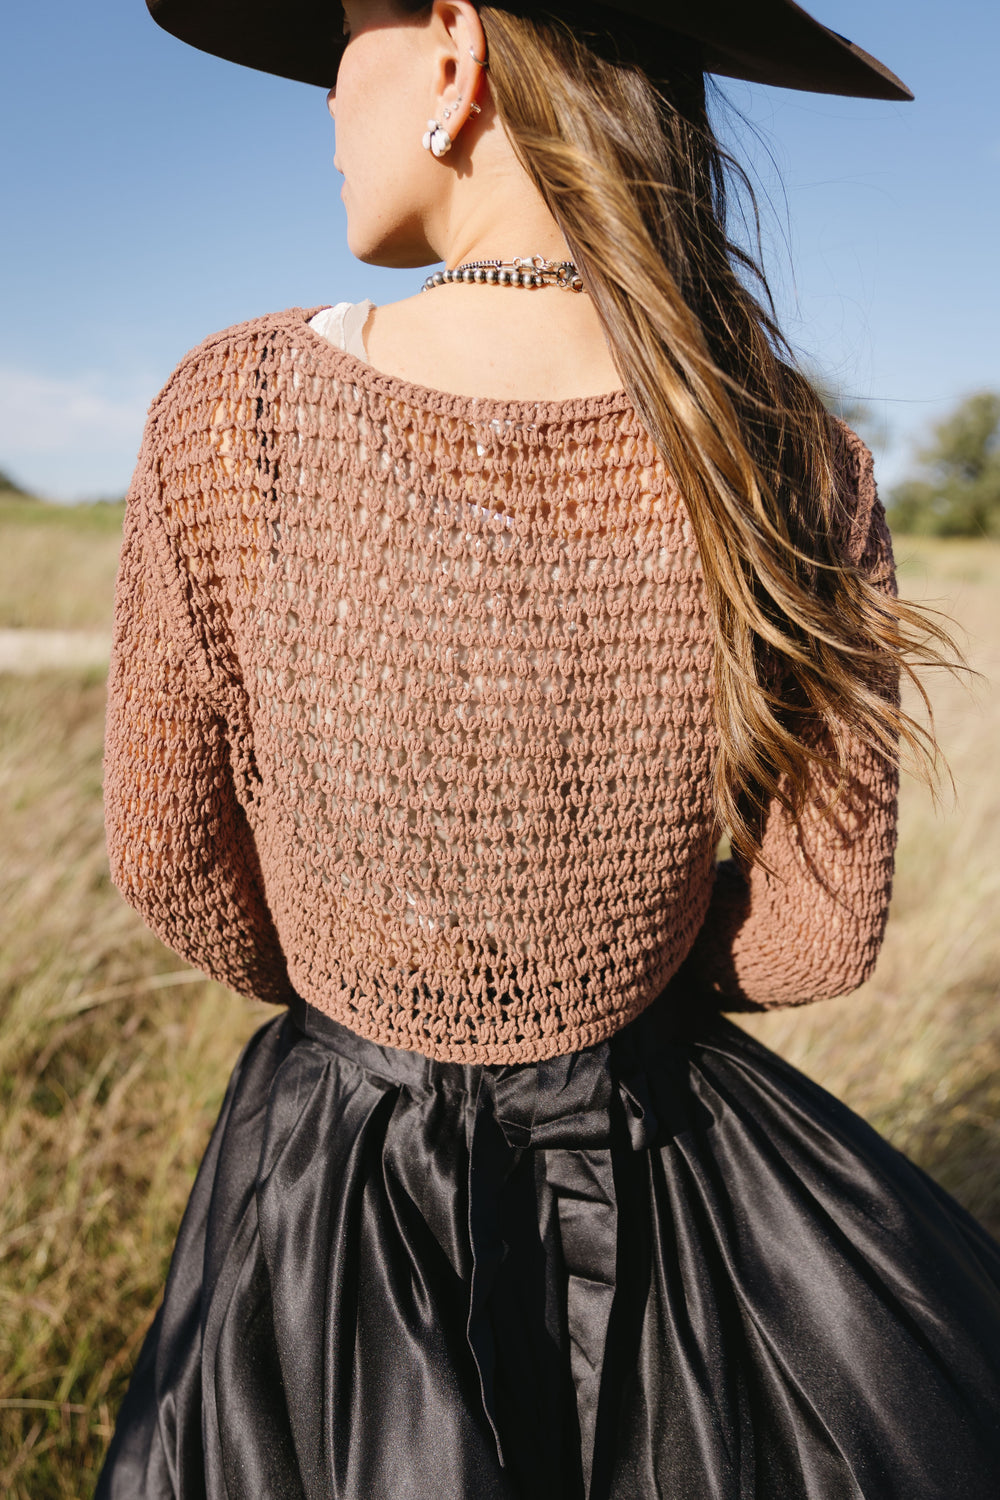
[(410, 711)]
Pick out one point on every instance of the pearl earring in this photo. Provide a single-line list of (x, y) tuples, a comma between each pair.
[(436, 139)]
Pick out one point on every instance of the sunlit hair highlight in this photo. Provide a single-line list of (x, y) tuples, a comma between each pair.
[(608, 117)]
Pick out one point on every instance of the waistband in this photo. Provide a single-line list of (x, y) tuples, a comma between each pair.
[(533, 1101)]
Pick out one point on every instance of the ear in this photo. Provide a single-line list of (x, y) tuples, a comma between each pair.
[(458, 40)]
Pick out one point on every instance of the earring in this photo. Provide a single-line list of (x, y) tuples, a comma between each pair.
[(450, 108), (436, 139)]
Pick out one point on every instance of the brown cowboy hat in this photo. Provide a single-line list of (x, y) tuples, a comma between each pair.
[(765, 41)]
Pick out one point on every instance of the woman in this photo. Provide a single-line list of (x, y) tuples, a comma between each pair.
[(450, 638)]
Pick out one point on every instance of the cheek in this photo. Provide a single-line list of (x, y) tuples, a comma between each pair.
[(379, 124), (349, 87)]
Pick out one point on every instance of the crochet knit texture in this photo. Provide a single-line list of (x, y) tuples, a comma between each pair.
[(410, 711)]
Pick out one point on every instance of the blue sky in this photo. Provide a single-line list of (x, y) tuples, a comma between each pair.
[(153, 194)]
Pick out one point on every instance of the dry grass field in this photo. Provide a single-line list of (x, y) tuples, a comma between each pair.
[(114, 1057), (57, 564), (917, 1050)]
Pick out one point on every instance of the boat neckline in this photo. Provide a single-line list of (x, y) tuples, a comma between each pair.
[(450, 403)]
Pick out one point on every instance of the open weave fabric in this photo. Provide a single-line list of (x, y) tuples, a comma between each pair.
[(410, 712)]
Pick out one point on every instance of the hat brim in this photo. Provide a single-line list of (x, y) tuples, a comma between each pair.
[(763, 41)]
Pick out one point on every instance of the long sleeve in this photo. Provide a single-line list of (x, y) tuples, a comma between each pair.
[(179, 844), (810, 926)]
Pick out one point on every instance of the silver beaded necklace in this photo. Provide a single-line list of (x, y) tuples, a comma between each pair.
[(523, 270)]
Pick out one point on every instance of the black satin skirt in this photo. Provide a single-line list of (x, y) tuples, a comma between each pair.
[(666, 1267)]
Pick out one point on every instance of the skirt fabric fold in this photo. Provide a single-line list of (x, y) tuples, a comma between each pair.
[(666, 1267)]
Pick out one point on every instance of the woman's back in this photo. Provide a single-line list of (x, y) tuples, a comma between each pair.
[(492, 342), (458, 656)]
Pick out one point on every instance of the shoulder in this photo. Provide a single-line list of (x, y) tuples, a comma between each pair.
[(854, 461), (854, 476), (205, 428), (239, 353), (868, 541)]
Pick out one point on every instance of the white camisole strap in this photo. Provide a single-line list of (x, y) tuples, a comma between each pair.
[(342, 325)]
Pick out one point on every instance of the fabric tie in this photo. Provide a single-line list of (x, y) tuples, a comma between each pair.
[(549, 1146), (571, 1109)]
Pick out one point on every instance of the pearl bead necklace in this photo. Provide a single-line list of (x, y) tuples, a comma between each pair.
[(523, 270)]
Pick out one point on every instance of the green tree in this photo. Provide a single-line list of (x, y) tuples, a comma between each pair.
[(956, 491)]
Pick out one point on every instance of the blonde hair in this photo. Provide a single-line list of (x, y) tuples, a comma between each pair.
[(607, 115)]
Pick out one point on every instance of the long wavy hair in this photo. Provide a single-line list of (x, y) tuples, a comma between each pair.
[(608, 117)]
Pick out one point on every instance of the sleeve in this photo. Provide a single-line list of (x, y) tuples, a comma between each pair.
[(810, 925), (179, 845)]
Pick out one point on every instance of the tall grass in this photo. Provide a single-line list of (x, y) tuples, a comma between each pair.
[(57, 563), (114, 1056), (917, 1050), (113, 1059)]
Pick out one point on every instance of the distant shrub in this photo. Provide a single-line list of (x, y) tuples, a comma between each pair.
[(10, 486), (956, 491)]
